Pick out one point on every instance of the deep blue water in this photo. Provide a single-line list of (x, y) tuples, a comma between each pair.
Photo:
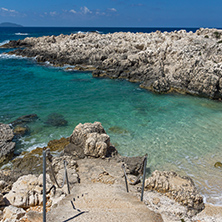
[(178, 132)]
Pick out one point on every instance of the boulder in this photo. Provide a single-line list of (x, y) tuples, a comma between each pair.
[(7, 146), (12, 213), (91, 138), (27, 191), (96, 145), (7, 178), (59, 170), (181, 189), (134, 165)]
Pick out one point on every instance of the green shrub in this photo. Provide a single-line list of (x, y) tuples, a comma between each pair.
[(217, 35)]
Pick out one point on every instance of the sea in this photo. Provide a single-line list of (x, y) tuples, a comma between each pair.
[(181, 133)]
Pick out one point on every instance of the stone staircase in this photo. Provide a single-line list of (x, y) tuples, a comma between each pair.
[(100, 203), (101, 196)]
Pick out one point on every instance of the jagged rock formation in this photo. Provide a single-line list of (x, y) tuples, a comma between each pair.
[(27, 191), (91, 139), (180, 61), (181, 189), (6, 144)]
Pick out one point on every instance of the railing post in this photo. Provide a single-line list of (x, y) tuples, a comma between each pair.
[(144, 176), (66, 175), (123, 167), (44, 186)]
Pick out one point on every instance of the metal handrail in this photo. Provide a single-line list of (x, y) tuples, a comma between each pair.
[(65, 178), (144, 177), (124, 169)]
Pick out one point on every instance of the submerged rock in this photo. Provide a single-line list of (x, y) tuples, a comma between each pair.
[(20, 131), (118, 130), (23, 120), (56, 119), (218, 165)]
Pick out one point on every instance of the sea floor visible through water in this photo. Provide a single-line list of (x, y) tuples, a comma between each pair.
[(178, 132)]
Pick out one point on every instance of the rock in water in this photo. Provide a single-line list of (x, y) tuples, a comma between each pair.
[(56, 119), (20, 131), (181, 189), (218, 165), (6, 145), (23, 120)]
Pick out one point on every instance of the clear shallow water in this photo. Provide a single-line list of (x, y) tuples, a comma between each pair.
[(178, 132)]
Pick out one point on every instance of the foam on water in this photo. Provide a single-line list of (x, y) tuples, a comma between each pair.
[(4, 42), (6, 56), (19, 33)]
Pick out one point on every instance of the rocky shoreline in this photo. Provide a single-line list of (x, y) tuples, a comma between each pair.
[(92, 162), (178, 61)]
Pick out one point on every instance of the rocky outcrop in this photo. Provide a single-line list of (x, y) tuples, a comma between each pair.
[(27, 191), (179, 61), (13, 214), (134, 165), (181, 189), (7, 146), (58, 169), (31, 162), (90, 139)]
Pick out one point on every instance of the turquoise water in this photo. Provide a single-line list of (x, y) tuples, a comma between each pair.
[(178, 132)]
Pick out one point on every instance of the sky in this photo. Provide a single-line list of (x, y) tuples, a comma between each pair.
[(113, 13)]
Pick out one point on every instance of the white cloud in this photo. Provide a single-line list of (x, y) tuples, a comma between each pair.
[(112, 9), (85, 10), (4, 9), (9, 12), (100, 13), (53, 13), (73, 11)]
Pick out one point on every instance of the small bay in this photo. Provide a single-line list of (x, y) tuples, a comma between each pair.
[(178, 132)]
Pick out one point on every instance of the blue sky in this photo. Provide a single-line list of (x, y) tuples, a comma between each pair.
[(113, 13)]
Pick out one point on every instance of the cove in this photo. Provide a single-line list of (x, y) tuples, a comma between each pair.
[(178, 132)]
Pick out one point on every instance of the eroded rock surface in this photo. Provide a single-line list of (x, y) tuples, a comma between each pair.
[(27, 191), (181, 189), (163, 62), (7, 146), (91, 138)]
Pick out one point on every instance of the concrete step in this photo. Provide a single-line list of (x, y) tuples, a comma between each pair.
[(101, 202)]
